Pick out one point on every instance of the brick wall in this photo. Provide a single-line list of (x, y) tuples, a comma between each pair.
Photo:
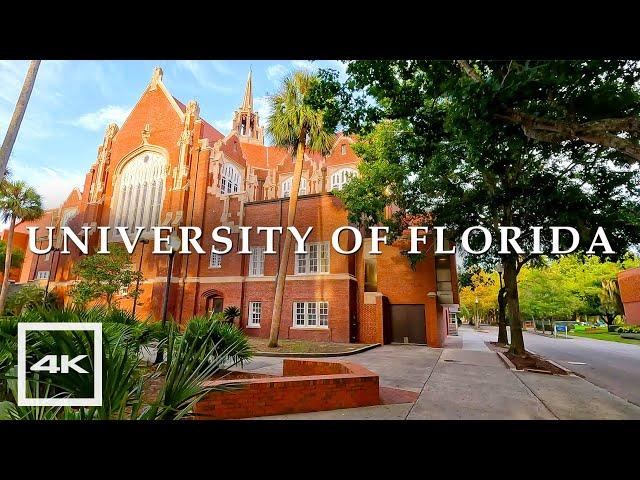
[(308, 386), (629, 282)]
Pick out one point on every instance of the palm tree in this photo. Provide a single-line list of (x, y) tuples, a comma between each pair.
[(17, 201), (298, 126), (18, 113)]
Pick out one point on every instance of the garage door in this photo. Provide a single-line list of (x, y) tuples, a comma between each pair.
[(407, 324)]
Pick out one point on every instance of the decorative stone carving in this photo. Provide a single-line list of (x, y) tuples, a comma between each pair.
[(156, 77), (146, 133), (193, 108)]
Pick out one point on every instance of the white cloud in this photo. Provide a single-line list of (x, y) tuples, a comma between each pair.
[(263, 107), (53, 184), (201, 76), (276, 71), (224, 126), (221, 67), (305, 65), (98, 120)]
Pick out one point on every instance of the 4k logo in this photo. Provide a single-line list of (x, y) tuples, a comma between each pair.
[(60, 364)]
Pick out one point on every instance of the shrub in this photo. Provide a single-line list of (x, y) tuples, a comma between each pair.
[(628, 329)]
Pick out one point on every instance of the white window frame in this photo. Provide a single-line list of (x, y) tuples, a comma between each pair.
[(314, 315), (230, 179), (255, 311), (305, 261), (341, 177), (42, 274), (288, 183), (343, 149), (215, 260), (256, 262)]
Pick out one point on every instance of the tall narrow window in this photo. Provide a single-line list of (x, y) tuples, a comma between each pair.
[(215, 261), (343, 149), (255, 314), (230, 181), (286, 187), (256, 262), (140, 190), (341, 177)]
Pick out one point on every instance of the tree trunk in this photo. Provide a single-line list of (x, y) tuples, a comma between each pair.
[(7, 264), (503, 339), (16, 119), (284, 259), (513, 305)]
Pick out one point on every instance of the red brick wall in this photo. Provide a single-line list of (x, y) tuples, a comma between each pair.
[(629, 282), (310, 390)]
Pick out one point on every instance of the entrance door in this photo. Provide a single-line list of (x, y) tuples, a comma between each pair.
[(408, 324), (214, 305)]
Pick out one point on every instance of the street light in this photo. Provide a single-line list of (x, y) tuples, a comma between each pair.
[(477, 317), (174, 245), (135, 294), (500, 270)]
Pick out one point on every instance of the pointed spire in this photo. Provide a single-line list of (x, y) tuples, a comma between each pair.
[(247, 103)]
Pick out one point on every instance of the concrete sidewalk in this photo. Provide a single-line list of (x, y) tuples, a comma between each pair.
[(466, 380)]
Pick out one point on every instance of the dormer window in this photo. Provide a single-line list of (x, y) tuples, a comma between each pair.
[(230, 181), (343, 149)]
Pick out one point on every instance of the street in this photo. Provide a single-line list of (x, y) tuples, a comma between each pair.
[(610, 365)]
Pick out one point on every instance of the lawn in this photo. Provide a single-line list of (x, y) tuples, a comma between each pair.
[(301, 346), (604, 335)]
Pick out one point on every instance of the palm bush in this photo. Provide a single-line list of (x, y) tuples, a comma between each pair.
[(30, 297), (231, 313), (206, 346)]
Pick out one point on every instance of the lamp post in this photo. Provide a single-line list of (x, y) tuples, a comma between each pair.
[(174, 245), (500, 270), (46, 288), (477, 317), (135, 294)]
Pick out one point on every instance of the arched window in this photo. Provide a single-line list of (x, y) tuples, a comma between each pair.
[(341, 177), (230, 181), (286, 187), (140, 192)]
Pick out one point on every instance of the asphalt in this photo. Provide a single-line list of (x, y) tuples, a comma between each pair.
[(610, 365)]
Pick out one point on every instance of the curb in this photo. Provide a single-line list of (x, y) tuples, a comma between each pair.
[(316, 355), (555, 364), (506, 361)]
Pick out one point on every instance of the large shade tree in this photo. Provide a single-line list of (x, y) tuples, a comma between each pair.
[(509, 143), (18, 201), (299, 123)]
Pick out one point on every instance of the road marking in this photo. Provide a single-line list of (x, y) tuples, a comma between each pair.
[(576, 363)]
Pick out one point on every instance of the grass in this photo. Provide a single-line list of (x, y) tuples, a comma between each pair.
[(602, 334), (301, 346)]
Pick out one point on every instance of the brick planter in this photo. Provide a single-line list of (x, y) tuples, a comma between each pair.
[(306, 386)]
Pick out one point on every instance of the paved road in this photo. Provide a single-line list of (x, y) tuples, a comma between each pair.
[(610, 365)]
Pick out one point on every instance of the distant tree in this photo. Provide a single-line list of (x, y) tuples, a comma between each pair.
[(18, 201), (17, 256), (103, 275)]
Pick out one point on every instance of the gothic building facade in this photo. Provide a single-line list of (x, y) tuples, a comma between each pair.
[(167, 166)]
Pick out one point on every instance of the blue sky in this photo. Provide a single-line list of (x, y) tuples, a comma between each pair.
[(73, 101)]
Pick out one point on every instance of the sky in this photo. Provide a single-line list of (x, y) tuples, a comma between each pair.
[(73, 101)]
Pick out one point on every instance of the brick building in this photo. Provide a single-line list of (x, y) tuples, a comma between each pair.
[(167, 166), (629, 281)]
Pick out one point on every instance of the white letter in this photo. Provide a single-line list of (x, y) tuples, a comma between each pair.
[(440, 250), (217, 238), (32, 240), (104, 236), (415, 239), (244, 240), (157, 240), (300, 248), (555, 240), (270, 231), (465, 240), (536, 240), (67, 233), (335, 240), (376, 239), (604, 242), (505, 241), (124, 234), (193, 241)]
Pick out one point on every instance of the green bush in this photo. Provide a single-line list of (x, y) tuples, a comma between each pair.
[(628, 329)]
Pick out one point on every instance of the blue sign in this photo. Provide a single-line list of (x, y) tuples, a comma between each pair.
[(561, 328)]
